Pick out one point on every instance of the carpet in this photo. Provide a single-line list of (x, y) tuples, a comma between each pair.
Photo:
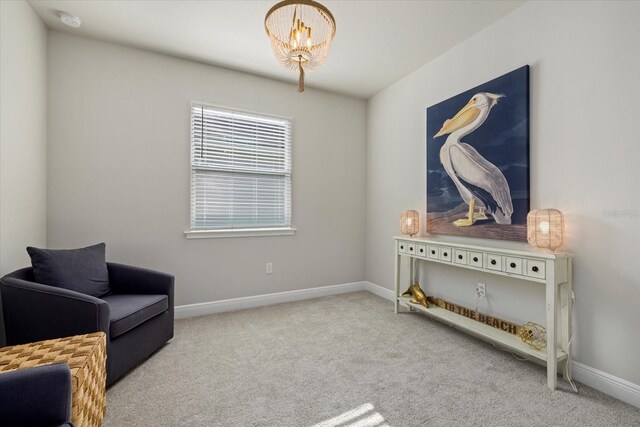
[(344, 360)]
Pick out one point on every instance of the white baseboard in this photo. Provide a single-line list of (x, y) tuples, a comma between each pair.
[(379, 290), (204, 308), (606, 383), (619, 388)]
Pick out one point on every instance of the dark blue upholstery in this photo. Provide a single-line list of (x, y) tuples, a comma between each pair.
[(82, 270), (35, 312), (39, 396), (128, 311)]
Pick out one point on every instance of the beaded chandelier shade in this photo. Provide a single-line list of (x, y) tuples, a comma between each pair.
[(301, 32)]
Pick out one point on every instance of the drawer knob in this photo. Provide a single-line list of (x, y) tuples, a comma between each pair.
[(421, 250), (534, 269), (445, 254), (493, 262), (459, 256), (512, 265), (433, 252), (475, 259), (401, 247)]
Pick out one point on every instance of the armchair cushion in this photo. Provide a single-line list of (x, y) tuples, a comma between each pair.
[(129, 311), (82, 270)]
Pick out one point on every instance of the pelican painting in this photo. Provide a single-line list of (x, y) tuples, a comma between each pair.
[(478, 160), (479, 181)]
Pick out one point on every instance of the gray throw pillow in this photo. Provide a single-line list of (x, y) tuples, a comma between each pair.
[(82, 270)]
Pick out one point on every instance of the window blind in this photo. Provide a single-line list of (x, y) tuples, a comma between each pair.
[(240, 169)]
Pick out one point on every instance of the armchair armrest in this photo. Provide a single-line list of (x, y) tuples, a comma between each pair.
[(126, 279), (36, 312), (36, 396)]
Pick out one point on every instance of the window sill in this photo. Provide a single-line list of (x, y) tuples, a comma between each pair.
[(240, 232)]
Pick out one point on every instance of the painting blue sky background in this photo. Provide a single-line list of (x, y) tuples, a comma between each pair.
[(503, 139)]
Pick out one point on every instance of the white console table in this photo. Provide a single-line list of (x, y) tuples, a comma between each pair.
[(550, 269)]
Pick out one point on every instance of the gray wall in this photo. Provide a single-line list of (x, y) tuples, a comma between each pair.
[(119, 129), (23, 135), (585, 139)]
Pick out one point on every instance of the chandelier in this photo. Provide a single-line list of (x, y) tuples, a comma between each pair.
[(301, 32)]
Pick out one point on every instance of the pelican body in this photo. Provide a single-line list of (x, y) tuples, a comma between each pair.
[(479, 182)]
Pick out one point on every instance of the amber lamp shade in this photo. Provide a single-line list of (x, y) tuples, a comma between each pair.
[(545, 228), (410, 223)]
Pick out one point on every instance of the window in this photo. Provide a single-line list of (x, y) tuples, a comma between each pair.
[(240, 172)]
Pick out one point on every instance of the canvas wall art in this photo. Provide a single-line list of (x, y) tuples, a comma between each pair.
[(478, 160)]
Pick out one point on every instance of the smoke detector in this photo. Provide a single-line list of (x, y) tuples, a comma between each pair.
[(69, 19)]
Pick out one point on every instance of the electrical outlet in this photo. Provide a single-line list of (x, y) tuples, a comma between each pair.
[(481, 290), (269, 268)]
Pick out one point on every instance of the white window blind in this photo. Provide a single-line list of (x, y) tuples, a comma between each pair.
[(240, 170)]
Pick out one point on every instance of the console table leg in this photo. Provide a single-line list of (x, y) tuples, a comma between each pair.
[(552, 361), (567, 318), (396, 304)]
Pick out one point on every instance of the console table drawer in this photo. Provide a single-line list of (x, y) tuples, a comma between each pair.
[(513, 265), (535, 269), (411, 248), (493, 262), (460, 257), (432, 252), (474, 258), (444, 254), (505, 263)]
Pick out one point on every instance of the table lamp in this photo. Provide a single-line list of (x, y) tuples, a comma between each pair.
[(410, 223), (545, 228)]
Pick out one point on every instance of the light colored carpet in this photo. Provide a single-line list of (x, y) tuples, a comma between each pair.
[(345, 360)]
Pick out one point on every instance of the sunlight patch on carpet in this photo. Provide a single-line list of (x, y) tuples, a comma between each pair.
[(362, 416)]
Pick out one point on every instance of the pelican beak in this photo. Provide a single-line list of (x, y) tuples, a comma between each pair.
[(465, 116)]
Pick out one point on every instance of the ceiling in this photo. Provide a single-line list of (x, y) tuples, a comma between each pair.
[(376, 44)]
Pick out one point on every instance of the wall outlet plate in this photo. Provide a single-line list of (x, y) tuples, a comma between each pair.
[(269, 268)]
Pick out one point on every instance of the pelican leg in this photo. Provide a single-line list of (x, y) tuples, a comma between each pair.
[(480, 215), (470, 218)]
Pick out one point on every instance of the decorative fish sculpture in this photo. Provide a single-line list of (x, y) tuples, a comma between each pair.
[(417, 294)]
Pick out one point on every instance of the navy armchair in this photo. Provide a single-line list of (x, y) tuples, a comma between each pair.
[(38, 396), (136, 316)]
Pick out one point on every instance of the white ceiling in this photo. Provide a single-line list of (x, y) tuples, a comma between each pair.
[(376, 44)]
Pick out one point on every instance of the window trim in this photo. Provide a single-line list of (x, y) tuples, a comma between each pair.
[(239, 232), (213, 233)]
